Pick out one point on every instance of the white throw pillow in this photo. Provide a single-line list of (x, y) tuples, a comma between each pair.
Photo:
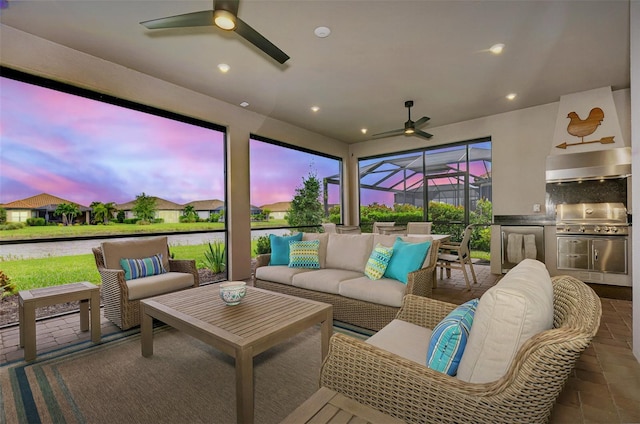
[(517, 308)]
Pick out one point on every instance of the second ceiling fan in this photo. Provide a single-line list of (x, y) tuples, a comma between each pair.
[(410, 127), (225, 16)]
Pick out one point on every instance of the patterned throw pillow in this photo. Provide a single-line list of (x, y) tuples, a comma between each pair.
[(138, 268), (304, 254), (449, 338), (378, 261)]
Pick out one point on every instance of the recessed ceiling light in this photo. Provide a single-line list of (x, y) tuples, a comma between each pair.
[(315, 108), (224, 68), (322, 32), (244, 104), (363, 130), (496, 48), (511, 96)]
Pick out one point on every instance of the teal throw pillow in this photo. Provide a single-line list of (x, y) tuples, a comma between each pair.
[(378, 262), (280, 248), (304, 254), (146, 267), (407, 257), (449, 338)]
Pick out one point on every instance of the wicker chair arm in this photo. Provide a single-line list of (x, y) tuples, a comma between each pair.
[(398, 386), (187, 266), (420, 282), (263, 260), (424, 311)]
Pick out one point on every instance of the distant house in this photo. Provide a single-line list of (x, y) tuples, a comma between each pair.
[(277, 210), (166, 210), (42, 206), (205, 208), (254, 210)]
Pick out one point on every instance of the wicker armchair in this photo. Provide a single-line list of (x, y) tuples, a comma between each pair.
[(417, 394), (118, 308)]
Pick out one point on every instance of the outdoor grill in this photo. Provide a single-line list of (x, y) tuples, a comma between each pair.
[(592, 237)]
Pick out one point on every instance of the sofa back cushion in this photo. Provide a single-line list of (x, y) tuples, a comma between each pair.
[(113, 251), (349, 251), (508, 314), (322, 250)]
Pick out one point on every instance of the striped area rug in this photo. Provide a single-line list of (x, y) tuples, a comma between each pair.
[(185, 381)]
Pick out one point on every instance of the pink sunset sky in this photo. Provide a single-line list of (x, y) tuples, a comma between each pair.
[(84, 150)]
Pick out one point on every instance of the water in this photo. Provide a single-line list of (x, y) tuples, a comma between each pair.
[(82, 247)]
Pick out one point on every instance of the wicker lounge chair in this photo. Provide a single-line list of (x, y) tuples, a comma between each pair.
[(417, 394), (118, 307)]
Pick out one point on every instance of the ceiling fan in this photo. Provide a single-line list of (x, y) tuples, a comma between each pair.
[(225, 16), (410, 127)]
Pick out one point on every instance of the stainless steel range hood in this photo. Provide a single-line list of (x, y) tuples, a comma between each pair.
[(609, 163)]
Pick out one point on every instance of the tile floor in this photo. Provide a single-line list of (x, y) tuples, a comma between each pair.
[(603, 388)]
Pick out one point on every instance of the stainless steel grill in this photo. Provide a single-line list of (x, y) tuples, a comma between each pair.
[(592, 218), (592, 237)]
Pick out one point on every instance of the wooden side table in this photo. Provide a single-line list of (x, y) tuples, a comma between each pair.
[(88, 294), (327, 406)]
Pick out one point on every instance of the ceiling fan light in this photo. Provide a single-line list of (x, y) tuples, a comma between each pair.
[(409, 131), (224, 19)]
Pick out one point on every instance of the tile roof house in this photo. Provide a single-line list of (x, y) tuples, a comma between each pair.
[(204, 208), (165, 209), (277, 210), (42, 205)]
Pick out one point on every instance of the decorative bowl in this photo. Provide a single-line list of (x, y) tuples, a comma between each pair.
[(232, 292)]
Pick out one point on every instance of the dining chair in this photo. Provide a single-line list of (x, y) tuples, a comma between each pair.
[(379, 226), (454, 255), (329, 227), (418, 228)]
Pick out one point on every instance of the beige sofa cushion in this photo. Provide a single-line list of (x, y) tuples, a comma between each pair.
[(322, 250), (385, 291), (113, 251), (517, 308), (324, 280), (349, 251), (142, 288), (279, 273), (404, 339)]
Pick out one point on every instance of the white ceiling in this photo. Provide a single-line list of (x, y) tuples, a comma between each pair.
[(379, 54)]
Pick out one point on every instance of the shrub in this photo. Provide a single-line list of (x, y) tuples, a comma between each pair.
[(36, 222), (263, 245), (214, 257), (157, 221), (130, 220), (12, 226), (3, 216), (7, 288)]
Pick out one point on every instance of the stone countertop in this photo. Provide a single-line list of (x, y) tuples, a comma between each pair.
[(523, 220)]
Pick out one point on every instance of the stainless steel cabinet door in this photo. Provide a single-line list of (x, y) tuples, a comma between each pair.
[(609, 255), (573, 253)]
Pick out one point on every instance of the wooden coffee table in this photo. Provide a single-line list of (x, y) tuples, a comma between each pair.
[(262, 320)]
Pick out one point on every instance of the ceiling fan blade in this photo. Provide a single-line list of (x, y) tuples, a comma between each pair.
[(204, 18), (423, 134), (391, 133), (421, 121), (255, 38)]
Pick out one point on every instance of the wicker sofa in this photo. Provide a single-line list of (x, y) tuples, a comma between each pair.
[(525, 393), (341, 282), (122, 297)]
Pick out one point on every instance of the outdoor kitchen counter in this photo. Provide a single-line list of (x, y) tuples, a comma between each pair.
[(537, 219)]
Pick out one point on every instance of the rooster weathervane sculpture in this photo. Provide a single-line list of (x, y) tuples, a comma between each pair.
[(584, 127)]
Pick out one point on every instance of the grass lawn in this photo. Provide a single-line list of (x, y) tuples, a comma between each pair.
[(102, 230), (56, 270)]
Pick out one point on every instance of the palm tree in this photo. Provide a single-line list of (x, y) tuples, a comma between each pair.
[(68, 212)]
